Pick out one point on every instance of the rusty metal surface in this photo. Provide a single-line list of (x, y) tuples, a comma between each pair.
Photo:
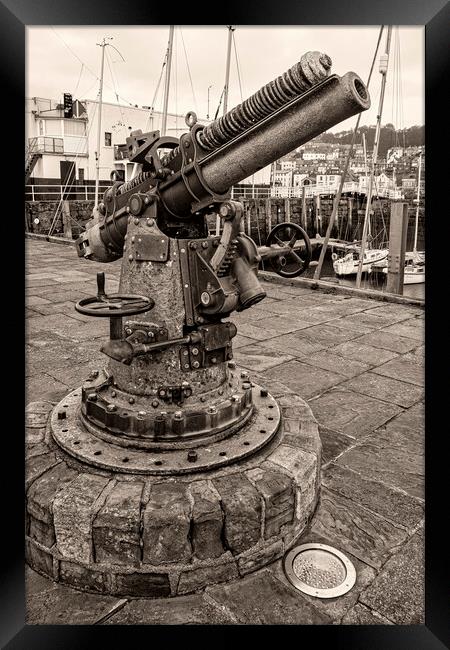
[(76, 440), (152, 247)]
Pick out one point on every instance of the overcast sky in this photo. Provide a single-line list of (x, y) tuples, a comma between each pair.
[(66, 59)]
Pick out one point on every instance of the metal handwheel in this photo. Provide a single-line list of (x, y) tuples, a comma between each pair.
[(114, 305), (291, 263)]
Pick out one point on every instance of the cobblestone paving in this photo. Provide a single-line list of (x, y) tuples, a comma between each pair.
[(358, 362)]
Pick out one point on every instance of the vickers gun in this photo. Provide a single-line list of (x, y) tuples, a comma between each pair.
[(169, 442), (181, 280)]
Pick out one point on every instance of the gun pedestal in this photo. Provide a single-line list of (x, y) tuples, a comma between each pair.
[(172, 468)]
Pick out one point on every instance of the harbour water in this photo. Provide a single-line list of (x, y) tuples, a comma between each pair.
[(374, 281)]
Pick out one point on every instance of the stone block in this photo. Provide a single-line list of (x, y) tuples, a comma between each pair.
[(35, 466), (44, 489), (255, 559), (148, 585), (198, 578), (83, 577), (37, 414), (116, 527), (207, 521), (41, 531), (303, 466), (242, 506), (39, 557), (74, 509), (166, 524), (277, 490)]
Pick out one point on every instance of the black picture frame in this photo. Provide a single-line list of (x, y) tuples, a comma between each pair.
[(15, 15)]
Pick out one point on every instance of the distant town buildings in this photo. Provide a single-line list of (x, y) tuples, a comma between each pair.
[(62, 147)]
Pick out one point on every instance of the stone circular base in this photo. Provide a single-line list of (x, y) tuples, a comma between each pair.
[(146, 535)]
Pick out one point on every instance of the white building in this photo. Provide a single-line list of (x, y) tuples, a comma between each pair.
[(313, 155), (287, 165), (59, 141)]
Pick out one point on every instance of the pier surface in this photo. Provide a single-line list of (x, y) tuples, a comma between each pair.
[(360, 365)]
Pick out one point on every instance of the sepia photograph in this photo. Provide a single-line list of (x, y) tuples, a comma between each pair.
[(225, 309)]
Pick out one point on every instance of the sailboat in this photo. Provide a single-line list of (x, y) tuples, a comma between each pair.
[(415, 267), (349, 263)]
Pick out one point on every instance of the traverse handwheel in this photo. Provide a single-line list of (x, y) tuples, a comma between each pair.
[(113, 305), (294, 262)]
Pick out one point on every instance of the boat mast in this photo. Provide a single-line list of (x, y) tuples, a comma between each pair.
[(227, 69), (167, 81), (384, 59), (103, 44), (417, 209)]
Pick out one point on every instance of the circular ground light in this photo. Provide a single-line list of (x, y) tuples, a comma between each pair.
[(319, 570)]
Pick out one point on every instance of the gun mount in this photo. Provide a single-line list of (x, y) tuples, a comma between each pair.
[(171, 408)]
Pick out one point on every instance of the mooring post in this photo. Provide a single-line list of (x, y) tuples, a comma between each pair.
[(318, 216), (398, 230), (67, 226), (287, 209)]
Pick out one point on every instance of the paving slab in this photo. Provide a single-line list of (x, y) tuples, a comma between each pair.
[(327, 360), (262, 599), (305, 380), (44, 387), (356, 529), (409, 423), (392, 504), (398, 591), (412, 328), (351, 413), (364, 353), (388, 341), (194, 609), (362, 615), (416, 356), (294, 344), (329, 334), (403, 369), (333, 443), (385, 388), (393, 457), (259, 358), (50, 603)]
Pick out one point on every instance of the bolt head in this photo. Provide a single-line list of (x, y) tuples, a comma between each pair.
[(155, 403), (196, 364), (232, 365), (136, 221), (204, 244), (150, 222), (192, 456), (111, 408), (193, 245), (113, 393), (195, 351), (130, 257), (131, 400)]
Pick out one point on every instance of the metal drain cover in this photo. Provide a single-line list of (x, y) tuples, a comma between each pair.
[(319, 570)]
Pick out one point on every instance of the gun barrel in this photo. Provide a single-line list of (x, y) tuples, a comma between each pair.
[(326, 104)]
